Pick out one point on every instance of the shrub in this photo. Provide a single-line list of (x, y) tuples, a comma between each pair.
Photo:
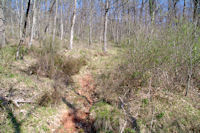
[(52, 96), (51, 64), (155, 65), (107, 118), (162, 59)]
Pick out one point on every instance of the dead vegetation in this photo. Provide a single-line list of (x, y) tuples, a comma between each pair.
[(155, 75)]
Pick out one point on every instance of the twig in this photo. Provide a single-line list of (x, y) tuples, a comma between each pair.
[(15, 102), (152, 117), (123, 127)]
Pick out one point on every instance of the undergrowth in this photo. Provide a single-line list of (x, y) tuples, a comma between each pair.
[(154, 74)]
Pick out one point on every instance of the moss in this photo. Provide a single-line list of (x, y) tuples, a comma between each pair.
[(145, 101), (129, 130), (160, 115), (106, 116)]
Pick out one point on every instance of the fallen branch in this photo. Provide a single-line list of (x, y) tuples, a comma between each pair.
[(15, 102)]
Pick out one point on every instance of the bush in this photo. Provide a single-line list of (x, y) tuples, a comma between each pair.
[(107, 118), (155, 70), (162, 59), (52, 96), (51, 64)]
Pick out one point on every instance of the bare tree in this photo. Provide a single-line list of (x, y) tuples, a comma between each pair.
[(48, 14), (152, 7), (174, 8), (198, 18), (184, 7), (18, 54), (34, 22), (61, 21), (55, 18), (196, 10), (2, 27), (105, 25), (141, 10), (21, 17), (72, 25), (90, 21)]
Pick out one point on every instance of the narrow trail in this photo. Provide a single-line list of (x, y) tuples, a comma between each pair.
[(77, 119)]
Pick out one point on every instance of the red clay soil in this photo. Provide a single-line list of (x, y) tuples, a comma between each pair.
[(76, 120), (87, 87)]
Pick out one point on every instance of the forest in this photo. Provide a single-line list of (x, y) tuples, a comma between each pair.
[(99, 66)]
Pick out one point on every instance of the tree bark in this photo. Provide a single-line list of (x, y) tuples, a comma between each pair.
[(105, 26), (55, 18), (48, 14), (61, 21), (18, 54), (2, 27), (90, 22), (33, 23), (72, 26), (174, 8), (195, 10), (198, 18), (184, 7), (152, 7), (21, 18), (141, 10)]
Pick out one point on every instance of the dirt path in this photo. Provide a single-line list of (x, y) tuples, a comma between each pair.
[(79, 101), (77, 119)]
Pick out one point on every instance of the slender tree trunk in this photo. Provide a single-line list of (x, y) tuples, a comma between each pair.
[(90, 22), (2, 26), (12, 25), (134, 11), (198, 18), (195, 10), (174, 8), (105, 26), (11, 20), (54, 24), (72, 26), (21, 18), (61, 21), (152, 6), (18, 54), (18, 13), (48, 15), (184, 7), (141, 10), (129, 25), (34, 22)]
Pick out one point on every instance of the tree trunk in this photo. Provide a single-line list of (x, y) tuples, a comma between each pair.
[(195, 10), (90, 22), (33, 23), (48, 15), (198, 18), (54, 24), (152, 7), (2, 27), (141, 10), (21, 18), (72, 26), (135, 11), (174, 8), (61, 21), (18, 13), (184, 7), (105, 26), (18, 54)]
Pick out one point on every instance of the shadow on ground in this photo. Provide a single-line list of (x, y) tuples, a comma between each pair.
[(80, 120)]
